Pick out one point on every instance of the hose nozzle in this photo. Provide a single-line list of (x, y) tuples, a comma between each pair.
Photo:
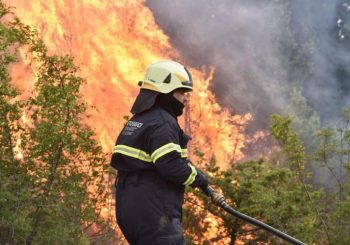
[(217, 198)]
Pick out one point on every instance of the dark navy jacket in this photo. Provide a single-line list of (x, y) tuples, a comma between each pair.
[(151, 158), (154, 141)]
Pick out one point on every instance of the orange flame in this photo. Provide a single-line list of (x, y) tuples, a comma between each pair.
[(113, 42)]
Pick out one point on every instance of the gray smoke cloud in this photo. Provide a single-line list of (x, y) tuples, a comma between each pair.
[(262, 48)]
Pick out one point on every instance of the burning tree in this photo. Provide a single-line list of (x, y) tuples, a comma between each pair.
[(52, 170)]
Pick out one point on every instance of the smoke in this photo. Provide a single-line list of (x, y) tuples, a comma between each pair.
[(262, 48)]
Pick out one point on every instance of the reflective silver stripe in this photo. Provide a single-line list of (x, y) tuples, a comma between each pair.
[(132, 152), (192, 176), (165, 149)]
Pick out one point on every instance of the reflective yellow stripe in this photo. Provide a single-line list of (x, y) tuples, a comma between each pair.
[(183, 153), (132, 152), (165, 149), (192, 176), (141, 155)]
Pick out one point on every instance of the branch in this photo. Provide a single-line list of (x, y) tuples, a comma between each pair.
[(313, 205), (244, 232), (7, 132), (325, 161)]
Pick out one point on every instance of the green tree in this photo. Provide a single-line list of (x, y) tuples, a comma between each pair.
[(305, 120), (14, 197), (275, 191), (52, 168), (269, 193), (297, 160), (333, 154), (328, 156)]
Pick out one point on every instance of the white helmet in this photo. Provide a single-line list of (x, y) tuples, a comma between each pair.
[(166, 76)]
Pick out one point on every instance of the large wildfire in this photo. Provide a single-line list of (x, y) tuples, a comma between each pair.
[(113, 42)]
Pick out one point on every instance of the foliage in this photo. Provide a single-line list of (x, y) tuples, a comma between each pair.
[(14, 197), (305, 120), (264, 191), (333, 155), (52, 169), (280, 191)]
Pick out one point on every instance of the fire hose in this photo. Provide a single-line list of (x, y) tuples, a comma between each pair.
[(219, 200)]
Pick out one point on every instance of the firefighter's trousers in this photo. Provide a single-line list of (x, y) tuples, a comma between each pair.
[(149, 209)]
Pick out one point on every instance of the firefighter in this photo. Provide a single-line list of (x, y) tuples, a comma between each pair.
[(150, 157)]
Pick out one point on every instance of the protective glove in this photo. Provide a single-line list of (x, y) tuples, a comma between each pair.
[(201, 180)]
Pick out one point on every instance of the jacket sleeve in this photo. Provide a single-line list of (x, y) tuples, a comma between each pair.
[(169, 159), (201, 180)]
